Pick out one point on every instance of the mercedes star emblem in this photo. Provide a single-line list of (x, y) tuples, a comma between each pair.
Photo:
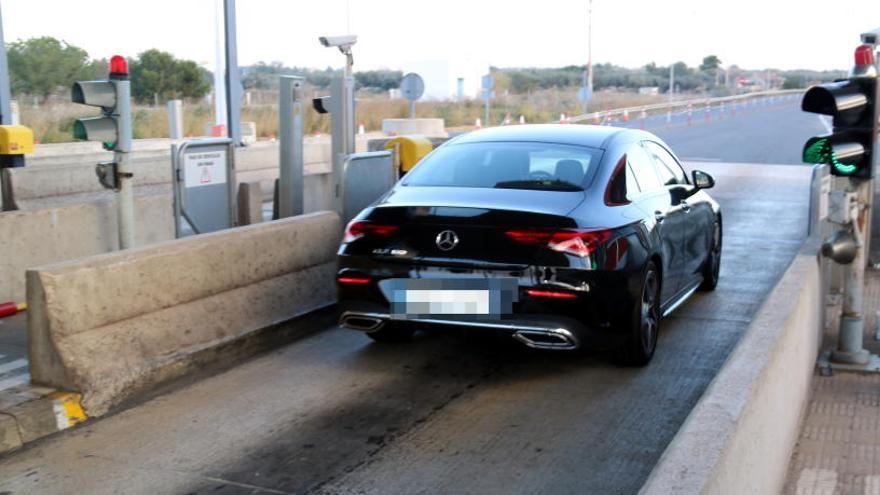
[(446, 240)]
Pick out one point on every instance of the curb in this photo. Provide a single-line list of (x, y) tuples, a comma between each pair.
[(36, 418)]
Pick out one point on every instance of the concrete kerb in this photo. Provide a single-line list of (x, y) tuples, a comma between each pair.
[(115, 325), (740, 435)]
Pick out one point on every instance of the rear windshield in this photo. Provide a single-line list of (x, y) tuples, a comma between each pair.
[(500, 165)]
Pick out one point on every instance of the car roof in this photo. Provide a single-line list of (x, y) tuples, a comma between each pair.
[(594, 136)]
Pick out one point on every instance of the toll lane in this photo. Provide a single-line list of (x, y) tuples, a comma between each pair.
[(336, 413), (761, 131)]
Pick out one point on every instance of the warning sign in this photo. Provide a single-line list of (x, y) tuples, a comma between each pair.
[(204, 168)]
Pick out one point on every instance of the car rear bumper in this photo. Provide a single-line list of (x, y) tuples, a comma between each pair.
[(538, 335)]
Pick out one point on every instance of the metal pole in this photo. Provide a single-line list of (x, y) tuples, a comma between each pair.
[(219, 79), (175, 119), (412, 109), (290, 182), (233, 80), (487, 93), (589, 51), (122, 157), (5, 95)]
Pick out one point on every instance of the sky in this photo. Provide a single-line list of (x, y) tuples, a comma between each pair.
[(755, 34)]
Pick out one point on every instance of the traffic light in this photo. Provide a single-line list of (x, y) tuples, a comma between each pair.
[(113, 126), (849, 149)]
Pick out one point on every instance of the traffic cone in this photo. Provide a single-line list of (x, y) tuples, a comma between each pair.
[(625, 115), (478, 124), (707, 116), (361, 130), (561, 118), (596, 119), (642, 117), (522, 119)]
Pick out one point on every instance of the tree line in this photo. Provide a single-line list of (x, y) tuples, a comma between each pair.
[(43, 66)]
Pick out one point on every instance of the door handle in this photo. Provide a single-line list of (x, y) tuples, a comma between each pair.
[(659, 216), (685, 206)]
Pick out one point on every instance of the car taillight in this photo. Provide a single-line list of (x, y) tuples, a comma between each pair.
[(353, 280), (356, 230), (577, 242)]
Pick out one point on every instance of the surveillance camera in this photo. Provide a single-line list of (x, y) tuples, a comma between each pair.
[(871, 37), (346, 41)]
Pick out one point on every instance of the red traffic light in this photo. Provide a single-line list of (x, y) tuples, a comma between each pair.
[(118, 66), (864, 55)]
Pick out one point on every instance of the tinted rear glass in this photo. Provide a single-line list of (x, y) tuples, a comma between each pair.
[(543, 166)]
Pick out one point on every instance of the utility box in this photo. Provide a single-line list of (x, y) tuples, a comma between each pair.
[(15, 142), (411, 149)]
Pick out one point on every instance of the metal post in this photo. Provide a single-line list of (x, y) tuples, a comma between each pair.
[(849, 349), (342, 128), (122, 157), (175, 119), (233, 81), (412, 109), (589, 80), (219, 79), (486, 93), (5, 95), (291, 185)]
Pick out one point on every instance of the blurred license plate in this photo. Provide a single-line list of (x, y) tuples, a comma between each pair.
[(479, 298), (447, 302)]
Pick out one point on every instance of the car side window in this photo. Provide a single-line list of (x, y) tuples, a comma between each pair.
[(643, 169), (668, 167)]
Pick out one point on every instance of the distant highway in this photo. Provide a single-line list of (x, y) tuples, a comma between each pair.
[(335, 413), (762, 131)]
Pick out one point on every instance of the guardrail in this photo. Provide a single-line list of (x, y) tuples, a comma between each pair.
[(603, 116)]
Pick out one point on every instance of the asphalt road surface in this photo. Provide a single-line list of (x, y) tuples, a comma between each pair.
[(762, 131), (335, 413)]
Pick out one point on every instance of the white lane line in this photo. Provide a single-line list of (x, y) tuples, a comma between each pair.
[(15, 381), (816, 482), (13, 365), (872, 485), (699, 159), (826, 122)]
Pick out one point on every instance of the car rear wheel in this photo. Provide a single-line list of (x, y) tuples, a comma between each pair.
[(712, 268), (645, 324), (392, 332)]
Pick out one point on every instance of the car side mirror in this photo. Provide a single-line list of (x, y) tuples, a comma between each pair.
[(702, 180)]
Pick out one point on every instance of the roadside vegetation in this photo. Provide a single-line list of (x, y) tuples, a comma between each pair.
[(42, 70)]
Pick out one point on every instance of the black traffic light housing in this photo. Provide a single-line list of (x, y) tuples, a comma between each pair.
[(849, 149)]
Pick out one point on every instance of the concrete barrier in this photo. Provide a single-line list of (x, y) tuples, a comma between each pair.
[(113, 325), (48, 235), (740, 435)]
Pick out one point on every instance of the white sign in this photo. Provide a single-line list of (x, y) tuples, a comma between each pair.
[(204, 168)]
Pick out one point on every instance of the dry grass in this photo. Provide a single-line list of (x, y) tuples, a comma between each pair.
[(53, 121)]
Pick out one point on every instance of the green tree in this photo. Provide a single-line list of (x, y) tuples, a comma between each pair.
[(710, 64), (155, 73), (39, 66)]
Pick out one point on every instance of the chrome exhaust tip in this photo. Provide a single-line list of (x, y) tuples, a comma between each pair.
[(362, 322), (555, 339)]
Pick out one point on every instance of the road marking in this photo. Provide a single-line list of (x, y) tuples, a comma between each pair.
[(816, 482), (872, 485), (15, 381), (699, 159), (13, 365), (826, 122), (67, 408)]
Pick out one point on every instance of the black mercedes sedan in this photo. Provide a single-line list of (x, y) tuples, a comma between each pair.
[(561, 236)]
